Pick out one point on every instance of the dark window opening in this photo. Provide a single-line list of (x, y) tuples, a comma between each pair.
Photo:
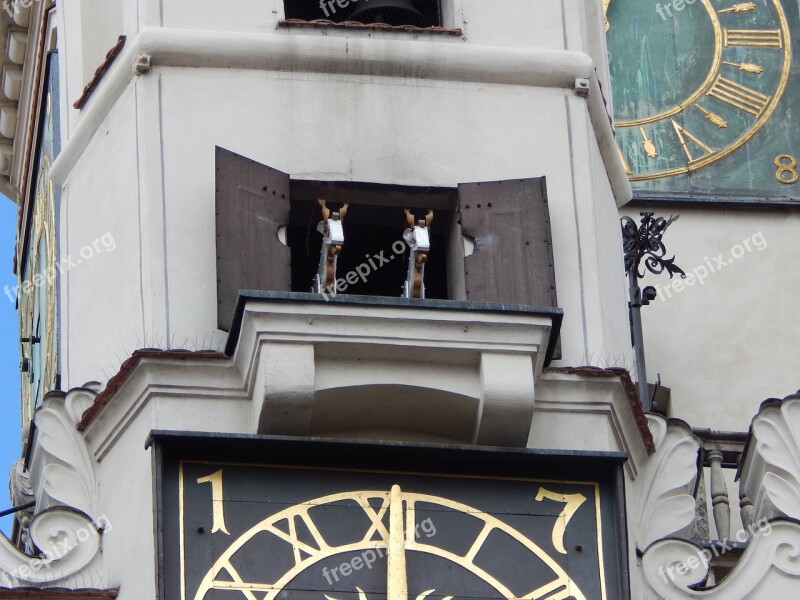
[(374, 255), (419, 13)]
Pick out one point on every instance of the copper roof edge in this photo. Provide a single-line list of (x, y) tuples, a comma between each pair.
[(117, 380), (90, 87)]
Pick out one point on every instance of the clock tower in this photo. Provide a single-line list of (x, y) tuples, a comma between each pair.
[(327, 301)]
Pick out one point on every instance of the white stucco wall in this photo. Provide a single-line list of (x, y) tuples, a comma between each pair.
[(154, 156), (726, 343), (101, 292)]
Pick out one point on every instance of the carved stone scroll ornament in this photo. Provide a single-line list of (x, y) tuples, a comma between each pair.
[(771, 471), (664, 490), (21, 493), (64, 533), (769, 568)]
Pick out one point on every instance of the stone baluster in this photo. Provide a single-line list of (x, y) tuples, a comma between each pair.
[(719, 495), (746, 509)]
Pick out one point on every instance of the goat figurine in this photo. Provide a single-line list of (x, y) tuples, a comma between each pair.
[(332, 241), (418, 239)]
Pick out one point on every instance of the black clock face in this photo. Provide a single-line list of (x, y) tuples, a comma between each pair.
[(264, 532)]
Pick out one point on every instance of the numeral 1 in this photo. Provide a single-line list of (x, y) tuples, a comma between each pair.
[(738, 96), (218, 508)]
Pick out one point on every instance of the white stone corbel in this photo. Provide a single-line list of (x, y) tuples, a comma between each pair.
[(64, 528), (664, 490), (507, 396), (287, 404), (770, 471), (769, 568)]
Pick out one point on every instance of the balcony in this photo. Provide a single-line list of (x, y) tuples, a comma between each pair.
[(362, 366)]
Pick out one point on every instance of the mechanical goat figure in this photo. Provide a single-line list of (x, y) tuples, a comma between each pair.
[(417, 237), (332, 241)]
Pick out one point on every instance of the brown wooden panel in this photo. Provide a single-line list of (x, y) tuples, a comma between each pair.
[(513, 258), (252, 204)]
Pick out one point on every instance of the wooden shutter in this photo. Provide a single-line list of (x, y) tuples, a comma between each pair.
[(513, 258), (252, 204)]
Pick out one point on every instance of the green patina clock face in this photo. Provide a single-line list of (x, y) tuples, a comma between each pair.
[(705, 96)]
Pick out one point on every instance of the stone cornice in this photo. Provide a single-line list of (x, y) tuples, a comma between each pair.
[(348, 55)]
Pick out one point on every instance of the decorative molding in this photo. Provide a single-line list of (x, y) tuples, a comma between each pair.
[(21, 493), (64, 529), (305, 366), (770, 473), (66, 477), (666, 485), (181, 48), (589, 409), (630, 392), (769, 568)]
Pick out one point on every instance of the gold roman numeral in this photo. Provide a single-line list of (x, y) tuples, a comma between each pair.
[(738, 96), (480, 540), (375, 516), (682, 135), (752, 37), (299, 547)]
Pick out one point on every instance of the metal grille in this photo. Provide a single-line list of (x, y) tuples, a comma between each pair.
[(420, 13)]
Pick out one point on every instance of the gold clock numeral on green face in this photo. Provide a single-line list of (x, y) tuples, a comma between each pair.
[(218, 508), (752, 37), (787, 169), (682, 135), (738, 96)]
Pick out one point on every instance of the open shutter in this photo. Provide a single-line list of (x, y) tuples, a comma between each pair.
[(512, 262), (252, 204)]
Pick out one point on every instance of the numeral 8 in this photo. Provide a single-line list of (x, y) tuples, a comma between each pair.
[(787, 171)]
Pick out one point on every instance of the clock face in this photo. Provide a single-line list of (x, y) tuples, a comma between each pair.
[(702, 94), (38, 285), (264, 532)]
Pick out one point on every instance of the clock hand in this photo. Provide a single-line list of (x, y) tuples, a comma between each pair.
[(397, 580)]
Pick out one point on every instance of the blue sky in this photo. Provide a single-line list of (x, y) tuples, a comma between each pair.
[(9, 358)]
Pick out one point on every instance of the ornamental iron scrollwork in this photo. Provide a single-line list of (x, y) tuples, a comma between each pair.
[(644, 242)]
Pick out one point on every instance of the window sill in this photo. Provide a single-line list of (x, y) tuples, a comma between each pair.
[(325, 23)]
